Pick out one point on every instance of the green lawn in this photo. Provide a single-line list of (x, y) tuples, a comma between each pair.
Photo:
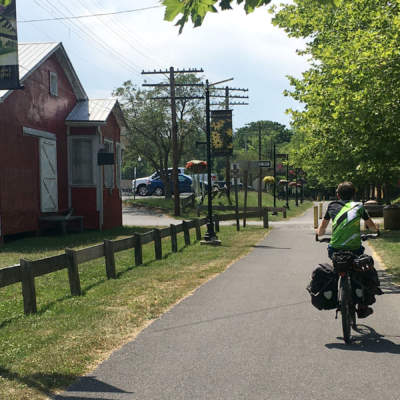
[(388, 248), (167, 205), (69, 336)]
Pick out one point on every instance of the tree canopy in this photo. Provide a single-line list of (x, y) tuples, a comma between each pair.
[(149, 122), (196, 10), (350, 125)]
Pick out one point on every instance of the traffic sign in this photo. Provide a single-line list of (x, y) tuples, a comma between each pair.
[(281, 155)]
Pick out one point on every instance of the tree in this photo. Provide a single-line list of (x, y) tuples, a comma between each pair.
[(349, 127), (149, 123)]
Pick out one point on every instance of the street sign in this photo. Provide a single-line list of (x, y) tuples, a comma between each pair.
[(264, 163), (281, 155)]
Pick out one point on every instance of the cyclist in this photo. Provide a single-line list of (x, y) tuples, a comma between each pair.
[(346, 215)]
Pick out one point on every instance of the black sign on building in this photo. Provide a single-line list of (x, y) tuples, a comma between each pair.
[(9, 74)]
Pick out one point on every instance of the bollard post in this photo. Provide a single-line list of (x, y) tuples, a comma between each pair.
[(315, 217), (320, 210)]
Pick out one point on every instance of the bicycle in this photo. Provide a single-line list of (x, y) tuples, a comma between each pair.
[(346, 263)]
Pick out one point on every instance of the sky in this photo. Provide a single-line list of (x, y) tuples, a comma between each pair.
[(109, 50)]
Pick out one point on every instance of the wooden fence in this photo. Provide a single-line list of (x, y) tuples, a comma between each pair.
[(283, 210), (28, 270)]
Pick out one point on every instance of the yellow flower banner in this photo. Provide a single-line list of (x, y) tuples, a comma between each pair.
[(221, 133), (9, 77)]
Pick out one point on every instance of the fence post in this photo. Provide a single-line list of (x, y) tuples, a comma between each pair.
[(216, 221), (174, 239), (157, 244), (138, 249), (198, 230), (315, 217), (186, 233), (28, 287), (73, 273), (110, 259), (284, 212), (265, 218)]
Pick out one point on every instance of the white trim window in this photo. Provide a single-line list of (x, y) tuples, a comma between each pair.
[(82, 161), (53, 83), (109, 169)]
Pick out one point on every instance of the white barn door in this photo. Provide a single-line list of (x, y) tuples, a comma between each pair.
[(48, 175)]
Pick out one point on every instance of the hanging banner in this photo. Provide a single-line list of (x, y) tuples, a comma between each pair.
[(221, 133), (9, 76)]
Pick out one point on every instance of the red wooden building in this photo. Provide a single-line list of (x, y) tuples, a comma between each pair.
[(50, 136)]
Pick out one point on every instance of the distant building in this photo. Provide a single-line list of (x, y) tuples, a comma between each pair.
[(50, 136)]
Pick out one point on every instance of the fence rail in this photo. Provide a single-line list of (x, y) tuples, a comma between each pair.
[(283, 210), (28, 270)]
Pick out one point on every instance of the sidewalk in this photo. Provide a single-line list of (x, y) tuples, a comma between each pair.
[(251, 333)]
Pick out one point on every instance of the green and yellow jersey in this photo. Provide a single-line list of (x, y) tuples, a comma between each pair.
[(346, 218)]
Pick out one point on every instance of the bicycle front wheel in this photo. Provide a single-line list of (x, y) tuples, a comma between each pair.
[(346, 308)]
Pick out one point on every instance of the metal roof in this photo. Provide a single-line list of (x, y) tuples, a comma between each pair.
[(94, 111), (32, 55)]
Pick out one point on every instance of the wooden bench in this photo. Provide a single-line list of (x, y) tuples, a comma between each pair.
[(61, 221)]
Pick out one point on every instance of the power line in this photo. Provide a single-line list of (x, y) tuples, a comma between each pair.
[(107, 50), (87, 16)]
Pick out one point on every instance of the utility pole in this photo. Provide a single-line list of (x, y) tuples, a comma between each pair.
[(174, 133), (274, 175), (259, 168), (228, 103), (287, 181)]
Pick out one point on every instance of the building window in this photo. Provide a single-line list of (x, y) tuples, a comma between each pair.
[(82, 161), (109, 169), (53, 84)]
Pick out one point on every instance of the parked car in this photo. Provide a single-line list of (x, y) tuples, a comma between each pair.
[(156, 186), (203, 178), (141, 183)]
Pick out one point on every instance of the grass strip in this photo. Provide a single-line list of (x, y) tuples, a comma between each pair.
[(167, 205), (69, 336), (388, 249)]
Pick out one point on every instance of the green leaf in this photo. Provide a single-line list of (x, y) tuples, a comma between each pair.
[(172, 9)]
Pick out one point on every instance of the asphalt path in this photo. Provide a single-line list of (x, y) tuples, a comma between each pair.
[(251, 333)]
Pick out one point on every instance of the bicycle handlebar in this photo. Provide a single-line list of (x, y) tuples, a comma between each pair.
[(364, 237)]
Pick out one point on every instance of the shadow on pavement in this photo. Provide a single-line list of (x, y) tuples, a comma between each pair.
[(387, 285), (368, 340), (271, 247), (89, 384)]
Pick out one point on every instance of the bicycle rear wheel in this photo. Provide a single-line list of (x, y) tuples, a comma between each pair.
[(346, 308)]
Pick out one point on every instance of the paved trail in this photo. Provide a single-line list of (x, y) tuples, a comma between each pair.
[(251, 333)]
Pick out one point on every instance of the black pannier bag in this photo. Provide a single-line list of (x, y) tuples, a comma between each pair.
[(323, 287), (365, 281)]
